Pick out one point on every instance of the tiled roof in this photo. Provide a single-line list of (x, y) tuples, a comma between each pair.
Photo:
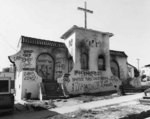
[(118, 53), (36, 41)]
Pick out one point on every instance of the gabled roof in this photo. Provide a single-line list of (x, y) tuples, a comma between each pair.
[(72, 29), (118, 53), (36, 41)]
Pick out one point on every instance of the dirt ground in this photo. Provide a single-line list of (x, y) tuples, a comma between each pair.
[(130, 110), (31, 105)]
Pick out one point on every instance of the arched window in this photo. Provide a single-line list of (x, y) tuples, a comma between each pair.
[(101, 62), (84, 61)]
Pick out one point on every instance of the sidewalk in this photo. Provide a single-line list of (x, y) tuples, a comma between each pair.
[(100, 103)]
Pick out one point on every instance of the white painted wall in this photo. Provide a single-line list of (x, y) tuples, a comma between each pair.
[(31, 83), (18, 86)]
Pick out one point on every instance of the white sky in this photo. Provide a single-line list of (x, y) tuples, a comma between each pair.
[(128, 20)]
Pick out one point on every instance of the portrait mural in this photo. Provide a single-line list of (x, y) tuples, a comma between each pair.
[(45, 67)]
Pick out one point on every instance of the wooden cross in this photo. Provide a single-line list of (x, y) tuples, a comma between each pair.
[(85, 12)]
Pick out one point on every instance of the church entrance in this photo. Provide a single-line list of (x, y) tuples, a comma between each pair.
[(45, 69)]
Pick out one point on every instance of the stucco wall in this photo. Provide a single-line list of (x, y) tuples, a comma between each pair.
[(30, 83), (18, 86), (91, 80), (27, 79)]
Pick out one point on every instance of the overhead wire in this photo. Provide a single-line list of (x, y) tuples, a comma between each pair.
[(5, 41)]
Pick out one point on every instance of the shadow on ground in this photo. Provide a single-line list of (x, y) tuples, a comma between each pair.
[(28, 111), (141, 115)]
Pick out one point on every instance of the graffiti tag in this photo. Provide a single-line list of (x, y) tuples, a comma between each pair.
[(29, 75)]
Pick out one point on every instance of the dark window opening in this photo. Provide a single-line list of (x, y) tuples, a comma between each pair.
[(4, 86), (101, 62), (70, 65), (84, 61)]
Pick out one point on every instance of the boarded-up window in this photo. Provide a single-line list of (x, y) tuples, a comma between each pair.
[(84, 61), (101, 62)]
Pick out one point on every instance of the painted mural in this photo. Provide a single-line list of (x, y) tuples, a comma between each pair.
[(45, 67)]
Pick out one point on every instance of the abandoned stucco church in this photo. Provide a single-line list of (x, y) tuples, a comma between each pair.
[(83, 61)]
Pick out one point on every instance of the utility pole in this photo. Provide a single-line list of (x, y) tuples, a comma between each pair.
[(138, 63), (85, 13)]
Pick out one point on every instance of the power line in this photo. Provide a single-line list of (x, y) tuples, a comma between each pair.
[(5, 41)]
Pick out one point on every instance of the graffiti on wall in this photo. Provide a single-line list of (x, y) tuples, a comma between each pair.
[(70, 43), (59, 67), (25, 58), (44, 66), (70, 46), (29, 75), (78, 87), (86, 81), (87, 73), (82, 84)]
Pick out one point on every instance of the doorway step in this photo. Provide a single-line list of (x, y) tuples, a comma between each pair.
[(50, 91)]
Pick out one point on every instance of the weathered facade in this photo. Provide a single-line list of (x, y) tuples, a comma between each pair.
[(83, 62), (38, 62), (119, 67), (90, 51)]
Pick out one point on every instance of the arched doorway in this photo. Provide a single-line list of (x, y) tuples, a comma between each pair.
[(45, 67), (115, 68)]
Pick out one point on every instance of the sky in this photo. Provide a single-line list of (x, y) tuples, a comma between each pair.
[(128, 20)]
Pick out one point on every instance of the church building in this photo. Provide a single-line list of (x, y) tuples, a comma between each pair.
[(84, 63)]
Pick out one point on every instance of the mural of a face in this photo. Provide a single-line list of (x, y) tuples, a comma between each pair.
[(44, 67)]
